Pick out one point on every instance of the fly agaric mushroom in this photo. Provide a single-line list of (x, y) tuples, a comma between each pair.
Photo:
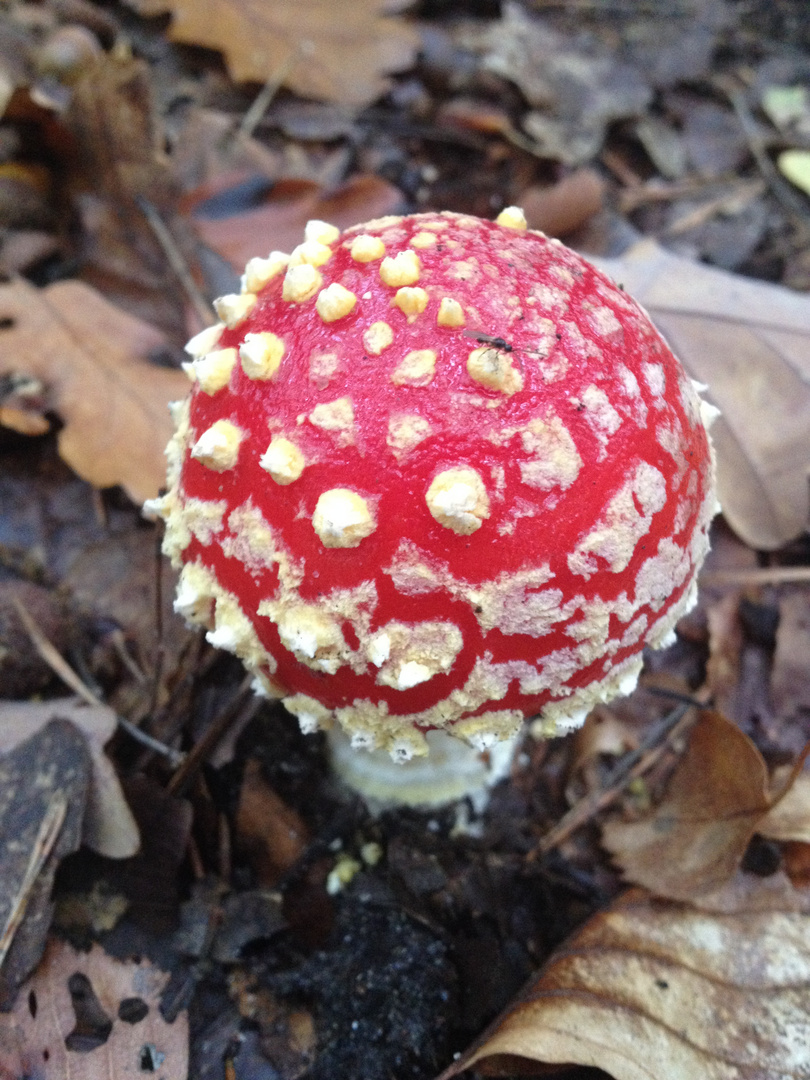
[(436, 473)]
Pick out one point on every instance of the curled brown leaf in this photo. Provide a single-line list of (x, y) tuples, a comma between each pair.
[(319, 49), (91, 360), (655, 990)]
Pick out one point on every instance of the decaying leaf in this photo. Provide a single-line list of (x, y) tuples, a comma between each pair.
[(91, 361), (108, 826), (116, 579), (319, 49), (576, 91), (279, 222), (750, 342), (694, 840), (89, 1015), (43, 788), (118, 161), (269, 833), (691, 846), (653, 990), (789, 819)]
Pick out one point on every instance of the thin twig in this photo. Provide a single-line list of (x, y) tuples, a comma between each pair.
[(160, 647), (174, 757), (119, 643), (639, 761), (264, 98), (216, 731), (47, 835), (176, 261), (790, 199), (57, 663), (765, 575)]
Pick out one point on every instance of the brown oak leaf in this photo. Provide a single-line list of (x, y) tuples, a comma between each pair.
[(319, 49), (75, 355), (691, 846), (654, 990)]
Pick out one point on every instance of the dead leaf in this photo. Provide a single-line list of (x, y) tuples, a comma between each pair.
[(210, 144), (319, 49), (690, 847), (117, 579), (565, 206), (117, 162), (92, 361), (750, 342), (108, 826), (44, 778), (651, 990), (23, 671), (576, 89), (789, 819), (89, 1015), (279, 223), (270, 833), (694, 840), (604, 734)]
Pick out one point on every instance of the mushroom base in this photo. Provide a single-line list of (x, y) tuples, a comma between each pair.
[(451, 770)]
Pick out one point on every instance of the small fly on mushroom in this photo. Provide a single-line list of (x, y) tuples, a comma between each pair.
[(417, 534), (485, 339)]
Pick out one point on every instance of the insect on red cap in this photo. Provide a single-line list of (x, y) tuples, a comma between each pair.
[(436, 472)]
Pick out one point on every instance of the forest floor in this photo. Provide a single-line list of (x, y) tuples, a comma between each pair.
[(145, 152)]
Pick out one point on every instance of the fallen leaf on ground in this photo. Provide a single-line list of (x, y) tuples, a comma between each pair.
[(23, 671), (691, 845), (269, 833), (653, 990), (117, 579), (565, 206), (43, 788), (789, 819), (108, 826), (576, 91), (750, 342), (603, 735), (92, 361), (210, 144), (319, 49), (89, 1015), (279, 223), (118, 161)]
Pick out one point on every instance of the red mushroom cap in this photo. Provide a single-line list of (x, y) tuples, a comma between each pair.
[(436, 472)]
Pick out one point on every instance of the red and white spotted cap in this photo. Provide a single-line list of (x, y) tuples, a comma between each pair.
[(436, 472)]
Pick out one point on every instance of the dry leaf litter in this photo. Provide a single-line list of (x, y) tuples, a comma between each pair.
[(633, 902)]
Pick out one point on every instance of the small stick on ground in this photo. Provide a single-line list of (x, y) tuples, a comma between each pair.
[(244, 696), (765, 575), (660, 737), (176, 261), (57, 663)]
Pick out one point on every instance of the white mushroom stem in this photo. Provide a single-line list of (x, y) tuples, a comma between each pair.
[(450, 771)]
